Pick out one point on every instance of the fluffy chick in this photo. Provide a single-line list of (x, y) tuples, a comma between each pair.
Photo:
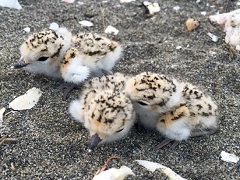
[(115, 82), (103, 109), (42, 52), (90, 55), (98, 53), (151, 95), (107, 115), (177, 110), (197, 116)]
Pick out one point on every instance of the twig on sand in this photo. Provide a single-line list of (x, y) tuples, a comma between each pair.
[(4, 139), (104, 167), (103, 16), (12, 167)]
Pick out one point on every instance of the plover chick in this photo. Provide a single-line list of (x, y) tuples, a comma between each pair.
[(43, 53), (197, 116), (97, 52), (115, 83), (107, 115), (151, 95), (90, 55)]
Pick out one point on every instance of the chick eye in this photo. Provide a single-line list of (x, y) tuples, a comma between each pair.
[(162, 120), (43, 58), (119, 130), (142, 103)]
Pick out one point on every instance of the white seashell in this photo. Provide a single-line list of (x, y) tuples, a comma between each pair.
[(152, 7), (213, 37), (54, 26), (26, 101), (86, 23), (27, 29), (152, 166), (203, 13), (114, 174), (1, 116), (111, 30), (10, 4), (229, 157), (146, 3)]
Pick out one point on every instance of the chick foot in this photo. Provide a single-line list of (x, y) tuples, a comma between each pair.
[(204, 132), (167, 141), (67, 87)]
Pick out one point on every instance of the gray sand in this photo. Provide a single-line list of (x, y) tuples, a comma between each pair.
[(52, 146)]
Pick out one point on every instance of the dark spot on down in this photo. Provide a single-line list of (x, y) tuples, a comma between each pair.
[(72, 55), (162, 103)]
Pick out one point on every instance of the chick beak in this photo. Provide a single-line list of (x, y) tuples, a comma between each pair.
[(95, 139), (20, 64)]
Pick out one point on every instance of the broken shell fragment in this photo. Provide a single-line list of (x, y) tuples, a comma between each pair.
[(151, 7), (213, 37), (26, 101), (12, 167), (229, 157), (54, 26), (27, 29), (191, 24), (86, 23), (111, 30)]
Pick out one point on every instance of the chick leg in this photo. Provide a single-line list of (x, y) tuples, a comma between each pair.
[(67, 87), (107, 72), (174, 144), (204, 132), (139, 127)]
